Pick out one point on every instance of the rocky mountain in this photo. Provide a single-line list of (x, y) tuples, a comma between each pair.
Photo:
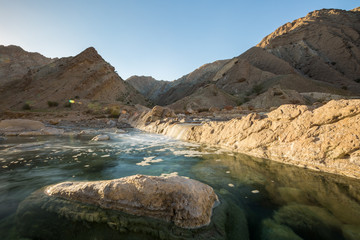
[(149, 87), (319, 53), (204, 98), (323, 45), (16, 62), (85, 76)]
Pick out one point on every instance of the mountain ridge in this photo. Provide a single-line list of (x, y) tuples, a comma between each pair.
[(321, 51), (84, 76)]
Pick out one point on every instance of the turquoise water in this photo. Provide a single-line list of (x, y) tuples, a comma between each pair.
[(279, 201)]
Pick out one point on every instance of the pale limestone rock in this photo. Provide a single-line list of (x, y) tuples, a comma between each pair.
[(325, 139), (186, 202), (158, 113), (101, 138)]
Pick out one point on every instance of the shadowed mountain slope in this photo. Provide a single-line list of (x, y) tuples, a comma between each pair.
[(85, 76)]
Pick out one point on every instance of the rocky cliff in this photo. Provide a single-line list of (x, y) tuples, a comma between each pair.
[(85, 76), (325, 138)]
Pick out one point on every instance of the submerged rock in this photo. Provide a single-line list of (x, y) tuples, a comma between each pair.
[(188, 203), (101, 138), (351, 232), (135, 207), (311, 222), (272, 230)]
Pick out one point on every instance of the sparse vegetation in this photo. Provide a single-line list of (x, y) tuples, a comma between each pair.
[(257, 89), (52, 104), (114, 111), (26, 106), (94, 108)]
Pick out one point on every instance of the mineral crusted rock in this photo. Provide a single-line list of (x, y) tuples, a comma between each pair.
[(325, 138), (186, 202), (101, 138)]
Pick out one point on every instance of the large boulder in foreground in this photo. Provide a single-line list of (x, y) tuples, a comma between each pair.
[(186, 202), (136, 207)]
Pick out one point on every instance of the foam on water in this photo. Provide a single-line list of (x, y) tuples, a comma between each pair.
[(260, 187)]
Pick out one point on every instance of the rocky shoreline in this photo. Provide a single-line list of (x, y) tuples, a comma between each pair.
[(324, 138)]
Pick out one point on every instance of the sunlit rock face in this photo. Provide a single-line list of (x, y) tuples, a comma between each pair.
[(325, 138), (188, 203), (323, 45)]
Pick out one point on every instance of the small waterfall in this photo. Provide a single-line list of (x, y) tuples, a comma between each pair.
[(178, 131)]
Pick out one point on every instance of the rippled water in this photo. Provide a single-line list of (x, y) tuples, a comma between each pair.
[(278, 201)]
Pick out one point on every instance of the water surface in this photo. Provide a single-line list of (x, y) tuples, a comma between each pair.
[(279, 201)]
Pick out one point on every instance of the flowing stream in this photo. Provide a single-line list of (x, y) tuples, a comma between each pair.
[(279, 201)]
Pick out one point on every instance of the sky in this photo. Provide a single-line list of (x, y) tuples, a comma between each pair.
[(165, 39)]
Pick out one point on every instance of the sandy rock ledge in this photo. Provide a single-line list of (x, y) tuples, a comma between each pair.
[(26, 127), (325, 138)]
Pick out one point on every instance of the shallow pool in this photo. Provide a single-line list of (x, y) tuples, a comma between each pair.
[(279, 201)]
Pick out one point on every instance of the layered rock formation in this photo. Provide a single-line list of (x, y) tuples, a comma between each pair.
[(204, 98), (325, 138), (318, 53), (149, 87), (323, 45), (185, 202), (85, 76), (15, 62)]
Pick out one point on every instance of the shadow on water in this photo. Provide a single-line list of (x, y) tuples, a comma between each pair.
[(283, 201), (260, 199)]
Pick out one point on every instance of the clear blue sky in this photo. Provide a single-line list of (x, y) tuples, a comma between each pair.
[(162, 38)]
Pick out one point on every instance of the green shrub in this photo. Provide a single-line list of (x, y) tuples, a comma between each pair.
[(52, 104), (26, 106), (114, 111), (257, 89)]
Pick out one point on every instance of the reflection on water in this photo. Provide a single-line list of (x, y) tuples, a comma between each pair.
[(285, 198), (278, 201)]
